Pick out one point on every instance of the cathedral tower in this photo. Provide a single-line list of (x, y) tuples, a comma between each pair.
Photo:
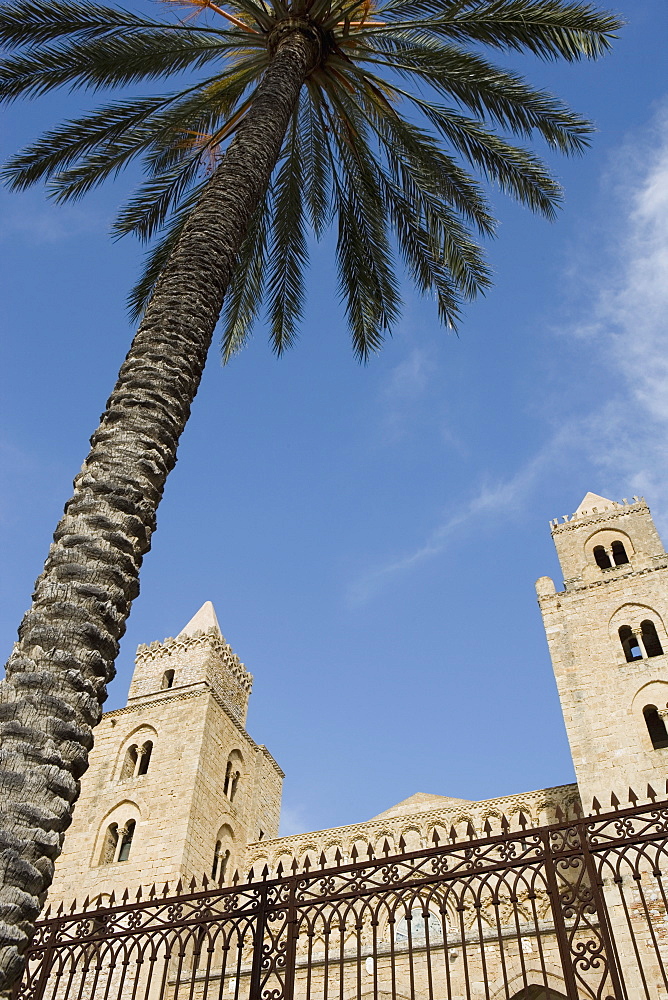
[(176, 787), (607, 637)]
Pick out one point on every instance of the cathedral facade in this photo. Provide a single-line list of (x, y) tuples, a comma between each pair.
[(177, 788)]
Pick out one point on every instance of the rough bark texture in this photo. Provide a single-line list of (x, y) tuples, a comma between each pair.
[(68, 641)]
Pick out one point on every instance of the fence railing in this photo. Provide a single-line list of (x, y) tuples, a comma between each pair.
[(576, 910)]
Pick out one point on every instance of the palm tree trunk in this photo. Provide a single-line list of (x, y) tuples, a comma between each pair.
[(68, 640)]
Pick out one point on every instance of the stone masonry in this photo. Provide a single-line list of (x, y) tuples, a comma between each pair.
[(177, 788)]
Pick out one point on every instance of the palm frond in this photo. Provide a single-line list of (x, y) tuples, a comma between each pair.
[(288, 254), (549, 29), (244, 298)]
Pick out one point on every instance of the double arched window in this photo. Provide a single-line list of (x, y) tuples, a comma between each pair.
[(137, 759), (232, 775), (616, 555), (655, 721), (640, 643), (117, 842)]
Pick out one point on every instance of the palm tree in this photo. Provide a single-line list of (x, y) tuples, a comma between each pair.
[(295, 115)]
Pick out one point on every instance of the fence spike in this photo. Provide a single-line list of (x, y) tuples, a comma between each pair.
[(596, 805), (86, 903), (353, 854), (193, 884), (47, 912), (453, 834), (251, 875), (265, 873), (235, 877), (60, 909), (487, 827), (369, 851), (633, 798), (294, 866), (279, 869), (179, 888), (435, 837), (666, 786), (522, 820), (205, 881), (338, 857), (559, 814), (165, 888), (651, 794), (139, 894), (73, 906), (614, 801), (470, 831), (402, 844), (386, 847), (323, 859), (577, 808), (505, 825), (307, 863)]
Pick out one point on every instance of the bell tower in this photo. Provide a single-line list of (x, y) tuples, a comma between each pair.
[(606, 631), (176, 787)]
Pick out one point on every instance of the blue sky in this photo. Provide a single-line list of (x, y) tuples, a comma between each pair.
[(370, 536)]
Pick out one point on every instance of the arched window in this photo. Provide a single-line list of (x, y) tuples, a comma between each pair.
[(656, 727), (235, 784), (167, 679), (602, 558), (109, 845), (650, 638), (619, 553), (221, 858), (130, 762), (630, 644), (145, 757), (228, 775), (126, 840)]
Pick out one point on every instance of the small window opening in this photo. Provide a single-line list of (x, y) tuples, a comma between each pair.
[(650, 639), (126, 841), (228, 774), (630, 644), (602, 558), (167, 679), (216, 860), (130, 762), (109, 845), (235, 785), (221, 860), (145, 757), (619, 553), (656, 727)]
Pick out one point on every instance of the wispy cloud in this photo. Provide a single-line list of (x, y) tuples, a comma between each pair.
[(405, 386), (629, 327), (624, 323)]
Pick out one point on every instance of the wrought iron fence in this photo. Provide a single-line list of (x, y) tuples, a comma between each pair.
[(577, 910)]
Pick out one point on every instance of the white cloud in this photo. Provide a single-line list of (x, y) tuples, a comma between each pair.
[(625, 325), (628, 325)]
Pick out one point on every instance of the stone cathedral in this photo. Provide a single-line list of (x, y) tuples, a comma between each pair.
[(177, 788)]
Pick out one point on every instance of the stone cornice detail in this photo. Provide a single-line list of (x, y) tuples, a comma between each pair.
[(210, 639), (343, 836), (611, 513)]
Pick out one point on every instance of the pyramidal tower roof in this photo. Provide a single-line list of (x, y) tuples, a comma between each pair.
[(203, 621), (591, 501)]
